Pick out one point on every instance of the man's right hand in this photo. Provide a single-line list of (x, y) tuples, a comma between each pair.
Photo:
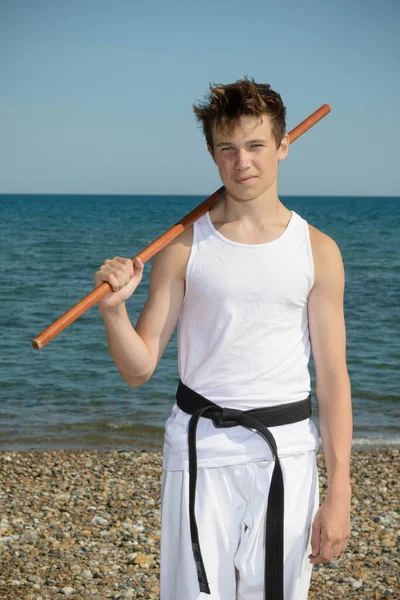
[(123, 275)]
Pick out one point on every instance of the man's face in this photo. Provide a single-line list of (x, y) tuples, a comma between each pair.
[(247, 157)]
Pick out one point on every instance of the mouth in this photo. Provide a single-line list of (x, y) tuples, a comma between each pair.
[(245, 180)]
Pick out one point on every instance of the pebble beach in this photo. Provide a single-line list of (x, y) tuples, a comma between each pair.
[(86, 525)]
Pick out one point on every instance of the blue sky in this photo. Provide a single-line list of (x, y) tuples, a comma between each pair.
[(96, 96)]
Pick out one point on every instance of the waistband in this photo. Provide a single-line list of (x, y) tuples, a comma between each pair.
[(258, 419)]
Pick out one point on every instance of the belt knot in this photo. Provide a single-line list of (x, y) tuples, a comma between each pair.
[(227, 417)]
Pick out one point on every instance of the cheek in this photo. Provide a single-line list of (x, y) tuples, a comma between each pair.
[(269, 165), (225, 165)]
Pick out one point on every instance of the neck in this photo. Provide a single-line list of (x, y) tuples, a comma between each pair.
[(265, 208)]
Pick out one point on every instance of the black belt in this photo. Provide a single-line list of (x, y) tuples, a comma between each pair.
[(259, 419)]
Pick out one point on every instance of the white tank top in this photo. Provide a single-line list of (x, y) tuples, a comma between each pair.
[(243, 341)]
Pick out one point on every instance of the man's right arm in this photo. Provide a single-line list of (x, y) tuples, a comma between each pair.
[(137, 351)]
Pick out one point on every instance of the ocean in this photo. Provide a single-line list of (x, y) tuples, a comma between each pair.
[(70, 395)]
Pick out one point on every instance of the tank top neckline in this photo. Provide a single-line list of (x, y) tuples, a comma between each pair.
[(219, 235)]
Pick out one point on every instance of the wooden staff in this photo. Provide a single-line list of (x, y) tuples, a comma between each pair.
[(76, 311)]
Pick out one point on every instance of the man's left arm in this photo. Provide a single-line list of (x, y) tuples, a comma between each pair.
[(331, 527)]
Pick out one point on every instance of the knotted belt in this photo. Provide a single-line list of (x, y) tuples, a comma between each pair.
[(259, 419)]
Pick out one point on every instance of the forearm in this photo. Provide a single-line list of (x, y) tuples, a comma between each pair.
[(127, 348), (336, 426)]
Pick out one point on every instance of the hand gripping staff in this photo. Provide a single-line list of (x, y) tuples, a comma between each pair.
[(76, 311)]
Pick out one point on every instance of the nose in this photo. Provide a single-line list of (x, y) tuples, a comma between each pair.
[(242, 160)]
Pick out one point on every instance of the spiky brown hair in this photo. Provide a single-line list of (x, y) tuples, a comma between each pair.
[(225, 104)]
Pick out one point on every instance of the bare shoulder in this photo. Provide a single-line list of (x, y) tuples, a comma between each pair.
[(171, 261), (326, 255), (321, 242)]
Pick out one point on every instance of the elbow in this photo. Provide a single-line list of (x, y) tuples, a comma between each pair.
[(137, 380), (142, 375)]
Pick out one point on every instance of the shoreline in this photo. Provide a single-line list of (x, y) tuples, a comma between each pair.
[(86, 524), (155, 444)]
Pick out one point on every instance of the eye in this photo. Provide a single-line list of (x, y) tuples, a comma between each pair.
[(256, 146), (227, 149)]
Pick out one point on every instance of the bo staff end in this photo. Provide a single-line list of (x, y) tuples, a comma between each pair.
[(76, 311)]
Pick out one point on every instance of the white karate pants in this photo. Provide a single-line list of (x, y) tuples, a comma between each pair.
[(231, 505)]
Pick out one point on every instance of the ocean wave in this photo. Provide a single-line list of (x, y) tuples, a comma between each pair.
[(375, 442)]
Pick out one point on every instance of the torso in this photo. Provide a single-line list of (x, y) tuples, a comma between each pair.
[(221, 339)]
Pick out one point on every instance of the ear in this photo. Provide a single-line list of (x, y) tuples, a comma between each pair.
[(284, 147), (211, 152)]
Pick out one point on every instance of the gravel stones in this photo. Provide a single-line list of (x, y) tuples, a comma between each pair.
[(86, 525)]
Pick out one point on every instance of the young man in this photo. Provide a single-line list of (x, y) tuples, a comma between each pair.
[(252, 285)]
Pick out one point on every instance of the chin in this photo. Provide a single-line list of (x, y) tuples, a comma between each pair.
[(244, 195), (250, 192)]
